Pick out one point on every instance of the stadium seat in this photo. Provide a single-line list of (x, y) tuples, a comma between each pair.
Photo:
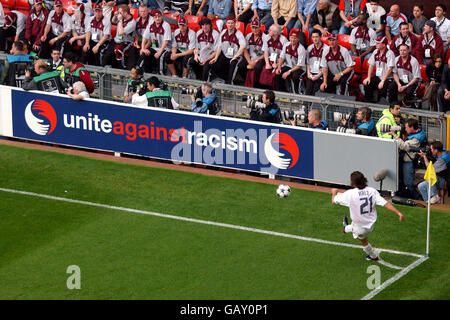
[(423, 72), (306, 33), (113, 30), (22, 4), (24, 11), (193, 22), (10, 4), (172, 15), (240, 26), (357, 78), (285, 32), (324, 40), (343, 40), (365, 69), (358, 66), (134, 12)]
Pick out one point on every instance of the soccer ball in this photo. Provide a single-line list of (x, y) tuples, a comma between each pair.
[(283, 190)]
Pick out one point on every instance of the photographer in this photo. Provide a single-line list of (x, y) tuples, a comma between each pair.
[(315, 121), (15, 65), (78, 92), (43, 79), (266, 110), (408, 148), (154, 94), (388, 119), (359, 123), (133, 82), (205, 100), (441, 167)]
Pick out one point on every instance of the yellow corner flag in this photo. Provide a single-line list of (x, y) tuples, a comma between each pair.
[(430, 174)]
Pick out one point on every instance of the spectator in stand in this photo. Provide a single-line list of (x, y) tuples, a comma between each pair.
[(283, 14), (98, 34), (383, 60), (156, 43), (393, 20), (108, 8), (262, 10), (34, 27), (56, 31), (243, 10), (75, 71), (305, 10), (199, 9), (206, 42), (434, 74), (219, 9), (349, 11), (229, 52), (141, 25), (253, 53), (291, 65), (377, 17), (273, 46), (326, 18), (115, 53), (178, 7), (442, 24), (14, 27), (417, 20), (337, 67), (362, 39), (314, 70), (404, 37), (429, 44), (183, 46), (80, 21), (444, 90), (406, 77)]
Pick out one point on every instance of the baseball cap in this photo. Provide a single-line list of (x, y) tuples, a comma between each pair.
[(382, 39), (156, 12), (232, 18), (38, 1), (58, 3), (332, 36), (255, 23), (182, 21), (96, 6), (295, 33)]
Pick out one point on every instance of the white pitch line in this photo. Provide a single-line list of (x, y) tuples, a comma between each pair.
[(390, 281), (218, 224)]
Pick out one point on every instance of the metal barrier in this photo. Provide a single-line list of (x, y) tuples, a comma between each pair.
[(110, 85)]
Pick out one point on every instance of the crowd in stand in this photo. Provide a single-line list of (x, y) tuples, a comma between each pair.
[(299, 46), (291, 45)]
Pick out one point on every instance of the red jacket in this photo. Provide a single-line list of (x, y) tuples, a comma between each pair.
[(34, 27), (435, 45), (79, 73)]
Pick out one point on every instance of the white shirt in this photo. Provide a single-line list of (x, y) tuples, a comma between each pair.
[(58, 29), (361, 203), (2, 16), (443, 28), (158, 34)]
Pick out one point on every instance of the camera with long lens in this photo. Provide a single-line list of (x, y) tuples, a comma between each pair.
[(189, 91), (387, 128), (136, 86), (350, 118), (255, 102), (300, 116), (418, 161)]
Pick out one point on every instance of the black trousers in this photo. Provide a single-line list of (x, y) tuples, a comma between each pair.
[(373, 86), (180, 63), (410, 93), (44, 52), (90, 57), (150, 63), (225, 68), (311, 87), (4, 35), (442, 104), (109, 55), (342, 84), (294, 80)]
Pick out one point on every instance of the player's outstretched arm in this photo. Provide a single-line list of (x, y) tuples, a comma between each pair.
[(334, 192), (390, 207)]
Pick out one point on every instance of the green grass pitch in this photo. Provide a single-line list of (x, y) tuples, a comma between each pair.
[(124, 255)]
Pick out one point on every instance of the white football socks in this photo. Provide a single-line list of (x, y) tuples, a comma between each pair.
[(370, 251)]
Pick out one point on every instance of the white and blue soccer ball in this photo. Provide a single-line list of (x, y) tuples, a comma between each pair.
[(283, 190)]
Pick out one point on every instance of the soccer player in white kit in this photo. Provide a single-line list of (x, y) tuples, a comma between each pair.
[(361, 201)]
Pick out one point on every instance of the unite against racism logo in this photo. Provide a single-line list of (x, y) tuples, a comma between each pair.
[(285, 142), (46, 122)]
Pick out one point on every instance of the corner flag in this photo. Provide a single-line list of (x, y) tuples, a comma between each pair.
[(430, 174)]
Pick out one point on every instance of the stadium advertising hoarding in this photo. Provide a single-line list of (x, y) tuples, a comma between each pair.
[(173, 135), (193, 138)]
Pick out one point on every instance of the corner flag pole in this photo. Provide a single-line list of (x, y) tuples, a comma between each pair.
[(427, 251)]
